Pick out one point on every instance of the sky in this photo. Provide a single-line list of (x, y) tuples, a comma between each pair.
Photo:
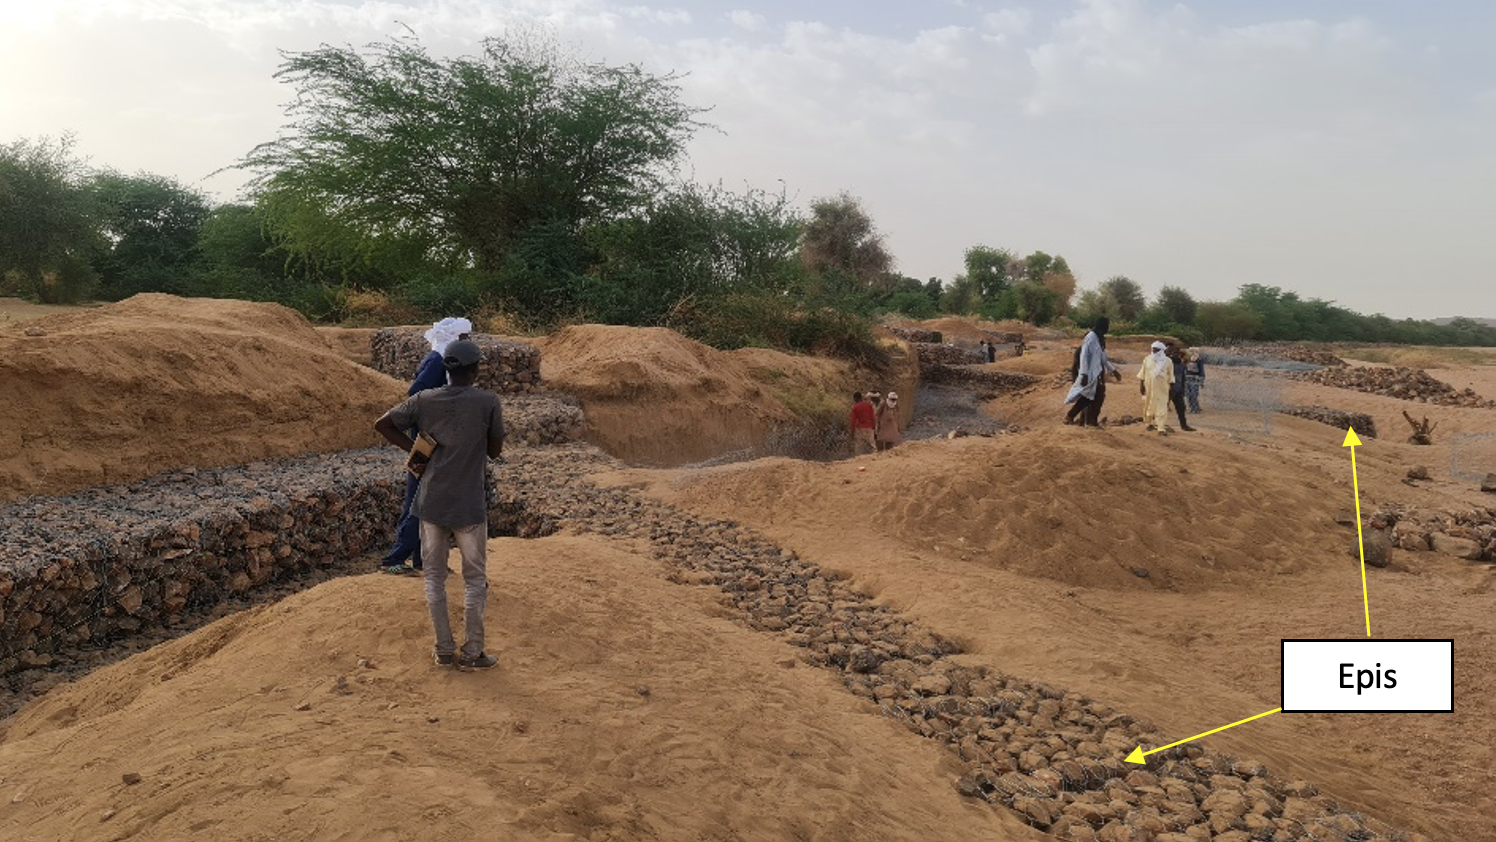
[(1342, 149)]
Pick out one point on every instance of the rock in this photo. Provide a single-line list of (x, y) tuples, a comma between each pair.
[(1457, 547), (1378, 547), (1230, 802), (1488, 484), (131, 778), (1418, 472), (1140, 572), (932, 685), (36, 331)]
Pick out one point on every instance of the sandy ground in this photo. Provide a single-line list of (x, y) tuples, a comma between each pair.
[(653, 396), (123, 391), (18, 310), (735, 739), (1021, 547), (1029, 549)]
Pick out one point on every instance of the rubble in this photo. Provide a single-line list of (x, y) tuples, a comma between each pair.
[(508, 367), (1338, 418), (1411, 384)]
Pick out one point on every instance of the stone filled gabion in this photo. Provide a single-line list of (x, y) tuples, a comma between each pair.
[(108, 561), (508, 367), (980, 379), (930, 354), (1411, 384), (542, 419), (1338, 418), (916, 334)]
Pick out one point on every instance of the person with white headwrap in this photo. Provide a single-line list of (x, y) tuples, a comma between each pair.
[(887, 422), (405, 555), (1155, 376)]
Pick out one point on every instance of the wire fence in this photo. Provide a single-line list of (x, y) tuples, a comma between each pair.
[(1472, 456), (1240, 401)]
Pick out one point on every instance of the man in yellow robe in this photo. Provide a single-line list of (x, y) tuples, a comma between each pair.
[(1155, 377)]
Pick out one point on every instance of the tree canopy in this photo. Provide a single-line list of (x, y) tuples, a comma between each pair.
[(469, 156)]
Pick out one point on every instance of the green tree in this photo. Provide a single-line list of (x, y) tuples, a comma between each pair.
[(989, 269), (48, 230), (1229, 320), (1177, 305), (1125, 295), (692, 242), (842, 248), (151, 224), (484, 162)]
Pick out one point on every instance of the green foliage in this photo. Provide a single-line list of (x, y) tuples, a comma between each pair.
[(776, 321), (988, 268), (694, 241), (962, 296), (1176, 305), (841, 248), (1121, 298), (471, 158), (152, 226), (48, 222), (1227, 321), (916, 305)]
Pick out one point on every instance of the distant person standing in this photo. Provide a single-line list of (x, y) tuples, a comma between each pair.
[(985, 350), (991, 353), (1088, 391), (888, 433), (1194, 379), (468, 426), (430, 374), (1154, 378), (1176, 388), (864, 422)]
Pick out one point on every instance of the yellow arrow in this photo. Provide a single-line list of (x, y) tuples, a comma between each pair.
[(1138, 754), (1353, 442)]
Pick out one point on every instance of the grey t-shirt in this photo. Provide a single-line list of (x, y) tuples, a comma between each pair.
[(463, 420)]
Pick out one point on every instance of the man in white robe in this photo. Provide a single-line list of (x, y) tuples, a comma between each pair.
[(1156, 376)]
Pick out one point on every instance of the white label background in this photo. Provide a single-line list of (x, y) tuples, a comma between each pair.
[(1424, 668)]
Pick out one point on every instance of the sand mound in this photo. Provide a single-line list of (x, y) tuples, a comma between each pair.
[(1075, 506), (729, 739), (124, 391), (654, 396)]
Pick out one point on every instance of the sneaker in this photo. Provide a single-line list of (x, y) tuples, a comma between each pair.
[(443, 660), (397, 569), (480, 661)]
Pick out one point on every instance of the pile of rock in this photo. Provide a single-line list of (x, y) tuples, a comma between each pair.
[(1337, 418), (984, 381), (544, 418), (1468, 534), (1287, 351), (934, 354), (508, 367), (1412, 384), (917, 334)]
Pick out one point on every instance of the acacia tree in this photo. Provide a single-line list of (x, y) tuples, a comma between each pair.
[(840, 244), (467, 157)]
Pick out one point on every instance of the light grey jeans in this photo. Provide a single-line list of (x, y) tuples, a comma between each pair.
[(472, 542)]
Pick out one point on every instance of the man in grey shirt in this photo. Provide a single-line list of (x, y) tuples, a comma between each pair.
[(468, 426)]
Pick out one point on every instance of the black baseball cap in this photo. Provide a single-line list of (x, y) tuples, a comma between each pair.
[(461, 354)]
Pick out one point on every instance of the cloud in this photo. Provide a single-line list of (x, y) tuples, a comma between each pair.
[(748, 21), (1133, 136)]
